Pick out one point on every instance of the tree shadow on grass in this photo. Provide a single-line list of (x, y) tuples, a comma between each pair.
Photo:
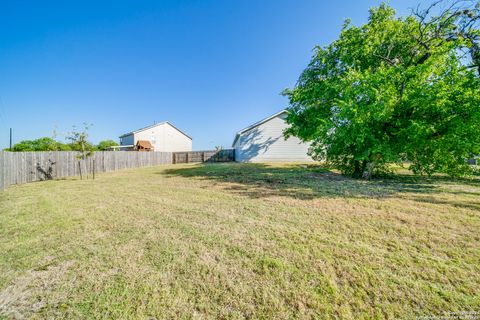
[(258, 180), (472, 205)]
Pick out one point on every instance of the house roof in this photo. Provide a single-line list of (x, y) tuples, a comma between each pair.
[(256, 124), (152, 126)]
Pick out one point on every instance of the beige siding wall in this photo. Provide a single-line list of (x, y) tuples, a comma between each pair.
[(165, 137), (265, 143), (175, 141)]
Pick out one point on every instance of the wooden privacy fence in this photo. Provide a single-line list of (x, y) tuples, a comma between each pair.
[(224, 155), (24, 167)]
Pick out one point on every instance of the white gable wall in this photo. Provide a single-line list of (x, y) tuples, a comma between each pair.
[(265, 143), (174, 140), (163, 137)]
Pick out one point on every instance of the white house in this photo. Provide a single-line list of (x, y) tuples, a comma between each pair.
[(163, 136), (264, 142)]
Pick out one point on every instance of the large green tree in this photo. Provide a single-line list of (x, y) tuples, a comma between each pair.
[(390, 91)]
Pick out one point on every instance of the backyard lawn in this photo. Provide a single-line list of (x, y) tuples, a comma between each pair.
[(239, 241)]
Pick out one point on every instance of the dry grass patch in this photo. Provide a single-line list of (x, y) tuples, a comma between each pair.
[(239, 241)]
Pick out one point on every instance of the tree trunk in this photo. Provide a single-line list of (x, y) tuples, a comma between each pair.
[(360, 168), (80, 169), (357, 170), (367, 174)]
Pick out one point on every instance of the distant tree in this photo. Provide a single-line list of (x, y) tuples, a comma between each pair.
[(103, 145), (63, 147), (394, 90), (41, 144), (76, 146)]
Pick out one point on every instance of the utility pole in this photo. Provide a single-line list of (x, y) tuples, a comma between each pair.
[(10, 139)]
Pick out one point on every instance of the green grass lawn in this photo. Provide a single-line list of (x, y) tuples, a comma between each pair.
[(239, 241)]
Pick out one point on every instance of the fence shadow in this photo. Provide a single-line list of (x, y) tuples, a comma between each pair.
[(310, 181), (47, 171)]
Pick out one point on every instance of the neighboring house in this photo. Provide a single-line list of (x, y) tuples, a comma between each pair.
[(264, 142), (162, 136)]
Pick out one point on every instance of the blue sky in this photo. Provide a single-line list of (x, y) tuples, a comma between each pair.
[(209, 67)]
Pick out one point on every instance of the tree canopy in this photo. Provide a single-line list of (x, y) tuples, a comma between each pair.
[(393, 90), (78, 142), (103, 145), (41, 144)]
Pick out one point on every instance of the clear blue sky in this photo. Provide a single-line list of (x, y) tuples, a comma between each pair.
[(209, 67)]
